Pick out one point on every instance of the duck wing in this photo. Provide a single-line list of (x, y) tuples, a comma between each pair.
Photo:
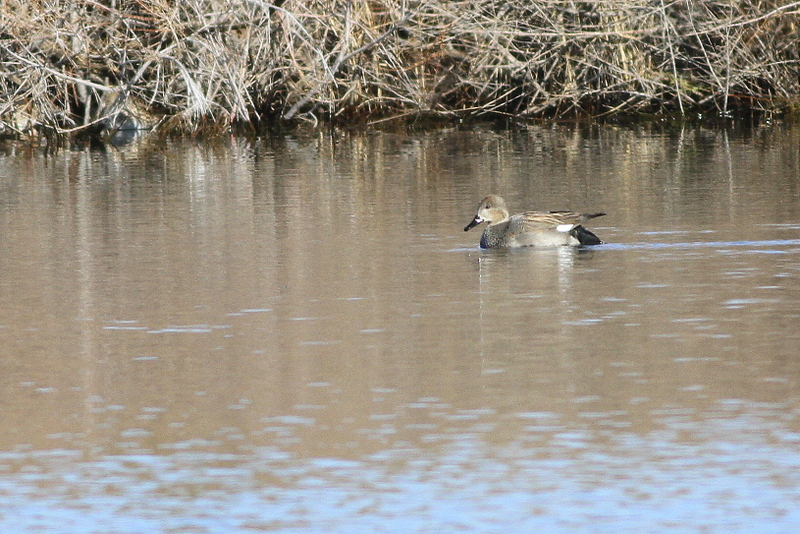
[(562, 221)]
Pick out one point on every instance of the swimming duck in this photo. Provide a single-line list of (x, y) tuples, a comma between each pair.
[(531, 228)]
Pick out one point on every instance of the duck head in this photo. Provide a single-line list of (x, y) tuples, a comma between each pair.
[(492, 209)]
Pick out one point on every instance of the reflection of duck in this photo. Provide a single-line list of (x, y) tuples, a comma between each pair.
[(531, 228)]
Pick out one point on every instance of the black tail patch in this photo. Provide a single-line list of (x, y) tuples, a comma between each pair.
[(585, 237)]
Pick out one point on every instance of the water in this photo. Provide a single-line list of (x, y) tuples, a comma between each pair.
[(295, 335)]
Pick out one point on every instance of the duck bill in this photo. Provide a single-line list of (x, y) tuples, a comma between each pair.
[(475, 222)]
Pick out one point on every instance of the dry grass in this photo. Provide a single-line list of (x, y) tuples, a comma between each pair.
[(72, 66)]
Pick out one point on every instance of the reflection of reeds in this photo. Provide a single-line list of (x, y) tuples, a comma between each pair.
[(68, 66)]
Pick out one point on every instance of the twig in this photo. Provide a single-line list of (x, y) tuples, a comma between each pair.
[(79, 81), (332, 72)]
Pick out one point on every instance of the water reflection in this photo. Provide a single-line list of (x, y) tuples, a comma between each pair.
[(296, 335)]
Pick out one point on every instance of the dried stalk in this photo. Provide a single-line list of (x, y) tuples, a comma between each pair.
[(221, 62)]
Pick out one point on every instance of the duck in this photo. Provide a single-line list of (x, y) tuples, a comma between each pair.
[(531, 228)]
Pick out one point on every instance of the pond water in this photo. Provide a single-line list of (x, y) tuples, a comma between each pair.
[(295, 334)]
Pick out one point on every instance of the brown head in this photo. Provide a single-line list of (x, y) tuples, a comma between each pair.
[(492, 210)]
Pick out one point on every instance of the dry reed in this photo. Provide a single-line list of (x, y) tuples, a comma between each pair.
[(72, 66)]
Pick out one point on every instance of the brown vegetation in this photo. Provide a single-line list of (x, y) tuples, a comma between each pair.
[(71, 66)]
